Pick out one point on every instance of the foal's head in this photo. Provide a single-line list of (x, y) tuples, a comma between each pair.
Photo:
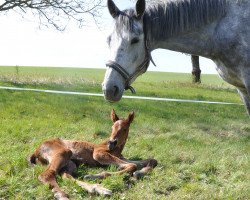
[(120, 130)]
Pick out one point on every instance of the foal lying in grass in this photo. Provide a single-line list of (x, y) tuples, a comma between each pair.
[(63, 157)]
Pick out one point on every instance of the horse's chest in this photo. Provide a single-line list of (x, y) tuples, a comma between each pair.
[(230, 75)]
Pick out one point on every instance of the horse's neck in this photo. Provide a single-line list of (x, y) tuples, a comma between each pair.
[(197, 42), (185, 26)]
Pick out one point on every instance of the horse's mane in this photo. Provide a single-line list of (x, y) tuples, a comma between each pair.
[(169, 17), (125, 21)]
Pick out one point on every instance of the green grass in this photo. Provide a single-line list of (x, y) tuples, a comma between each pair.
[(202, 150)]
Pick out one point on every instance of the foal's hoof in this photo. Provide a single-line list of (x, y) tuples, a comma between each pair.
[(138, 174), (152, 163), (102, 191), (95, 188), (60, 195)]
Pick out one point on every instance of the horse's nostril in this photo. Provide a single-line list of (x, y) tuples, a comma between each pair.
[(116, 91), (112, 92)]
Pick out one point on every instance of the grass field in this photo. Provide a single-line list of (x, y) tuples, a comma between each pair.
[(202, 149)]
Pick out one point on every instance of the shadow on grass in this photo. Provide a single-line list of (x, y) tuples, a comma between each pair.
[(168, 190)]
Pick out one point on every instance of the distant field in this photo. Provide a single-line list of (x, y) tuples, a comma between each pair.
[(156, 84), (78, 74), (202, 150)]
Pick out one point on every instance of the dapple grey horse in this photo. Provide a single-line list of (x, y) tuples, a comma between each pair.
[(215, 29)]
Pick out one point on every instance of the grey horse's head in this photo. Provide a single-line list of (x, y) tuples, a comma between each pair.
[(127, 50)]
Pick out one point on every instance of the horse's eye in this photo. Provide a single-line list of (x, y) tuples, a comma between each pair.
[(134, 40)]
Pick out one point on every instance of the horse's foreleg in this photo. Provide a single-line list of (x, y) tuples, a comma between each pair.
[(91, 188), (145, 167), (196, 72), (245, 96)]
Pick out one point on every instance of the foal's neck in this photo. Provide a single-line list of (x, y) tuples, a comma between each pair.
[(117, 150)]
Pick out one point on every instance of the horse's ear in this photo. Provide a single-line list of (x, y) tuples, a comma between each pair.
[(140, 8), (114, 117), (131, 117), (113, 10)]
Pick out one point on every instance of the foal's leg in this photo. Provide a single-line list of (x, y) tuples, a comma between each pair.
[(58, 159), (105, 158), (145, 166), (91, 188)]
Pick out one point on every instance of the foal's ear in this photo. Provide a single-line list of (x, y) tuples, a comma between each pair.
[(131, 117), (114, 117), (113, 10), (140, 8)]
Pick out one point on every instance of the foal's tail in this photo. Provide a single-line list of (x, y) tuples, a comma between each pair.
[(32, 159), (36, 158)]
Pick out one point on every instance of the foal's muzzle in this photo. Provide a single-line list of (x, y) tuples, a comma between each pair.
[(112, 144)]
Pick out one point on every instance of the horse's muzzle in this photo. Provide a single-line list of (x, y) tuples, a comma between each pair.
[(112, 93)]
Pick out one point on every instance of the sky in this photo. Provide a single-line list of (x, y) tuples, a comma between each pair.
[(23, 43)]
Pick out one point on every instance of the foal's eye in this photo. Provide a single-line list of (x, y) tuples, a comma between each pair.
[(134, 40)]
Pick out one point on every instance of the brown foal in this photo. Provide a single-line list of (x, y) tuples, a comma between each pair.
[(63, 157)]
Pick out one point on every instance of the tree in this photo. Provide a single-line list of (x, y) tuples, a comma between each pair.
[(55, 12)]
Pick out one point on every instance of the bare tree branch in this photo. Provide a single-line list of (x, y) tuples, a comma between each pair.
[(56, 12)]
